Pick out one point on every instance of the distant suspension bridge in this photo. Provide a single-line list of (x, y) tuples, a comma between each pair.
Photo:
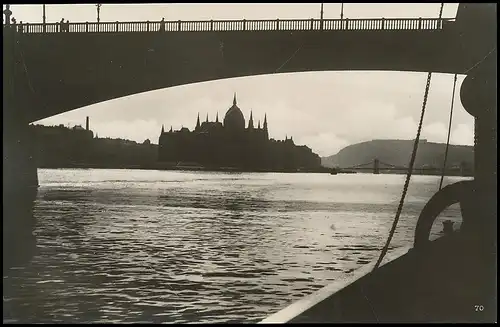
[(376, 166)]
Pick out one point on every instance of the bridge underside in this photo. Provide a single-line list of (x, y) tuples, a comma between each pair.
[(60, 72)]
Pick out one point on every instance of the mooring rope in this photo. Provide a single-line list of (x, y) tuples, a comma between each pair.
[(449, 132), (412, 162), (408, 175)]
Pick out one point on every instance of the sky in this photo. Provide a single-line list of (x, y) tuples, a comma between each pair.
[(324, 110)]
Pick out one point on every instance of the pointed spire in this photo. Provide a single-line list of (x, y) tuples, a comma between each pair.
[(217, 118), (198, 121), (162, 129), (206, 120), (250, 122), (258, 126), (234, 99), (286, 137), (171, 130), (266, 133)]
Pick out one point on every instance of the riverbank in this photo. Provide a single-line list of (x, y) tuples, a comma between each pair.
[(242, 170), (160, 166)]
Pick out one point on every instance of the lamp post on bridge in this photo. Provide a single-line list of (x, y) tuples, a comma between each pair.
[(321, 17), (98, 12), (43, 18), (342, 11)]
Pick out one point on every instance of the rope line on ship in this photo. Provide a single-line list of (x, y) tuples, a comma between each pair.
[(480, 61), (412, 162), (408, 174), (449, 131)]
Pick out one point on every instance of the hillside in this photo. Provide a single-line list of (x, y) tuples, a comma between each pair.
[(398, 152)]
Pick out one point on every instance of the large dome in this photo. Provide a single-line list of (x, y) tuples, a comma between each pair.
[(234, 118)]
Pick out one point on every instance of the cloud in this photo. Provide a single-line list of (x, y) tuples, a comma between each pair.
[(324, 144), (463, 134), (435, 132)]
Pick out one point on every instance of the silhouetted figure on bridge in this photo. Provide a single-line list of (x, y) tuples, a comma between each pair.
[(7, 12), (64, 27), (13, 20), (20, 29), (162, 25)]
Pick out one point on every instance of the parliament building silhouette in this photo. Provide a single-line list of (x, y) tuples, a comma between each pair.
[(231, 145)]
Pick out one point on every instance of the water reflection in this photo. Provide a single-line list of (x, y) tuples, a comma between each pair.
[(146, 246)]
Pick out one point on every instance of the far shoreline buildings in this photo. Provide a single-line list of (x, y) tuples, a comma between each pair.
[(229, 144), (78, 147)]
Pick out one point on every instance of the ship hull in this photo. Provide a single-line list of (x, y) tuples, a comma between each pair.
[(451, 280)]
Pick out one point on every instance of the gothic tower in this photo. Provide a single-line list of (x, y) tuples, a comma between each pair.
[(265, 127), (197, 122), (250, 122)]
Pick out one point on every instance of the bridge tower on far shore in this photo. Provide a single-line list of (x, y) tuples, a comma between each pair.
[(376, 166)]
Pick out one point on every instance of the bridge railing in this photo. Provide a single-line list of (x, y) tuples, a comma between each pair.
[(381, 24)]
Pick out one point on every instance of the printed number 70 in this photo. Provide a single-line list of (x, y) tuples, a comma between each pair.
[(479, 307)]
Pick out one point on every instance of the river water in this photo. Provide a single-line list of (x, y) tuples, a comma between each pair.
[(169, 247)]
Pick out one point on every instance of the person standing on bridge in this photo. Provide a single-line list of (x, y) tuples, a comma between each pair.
[(7, 12), (61, 25), (67, 25), (162, 25)]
